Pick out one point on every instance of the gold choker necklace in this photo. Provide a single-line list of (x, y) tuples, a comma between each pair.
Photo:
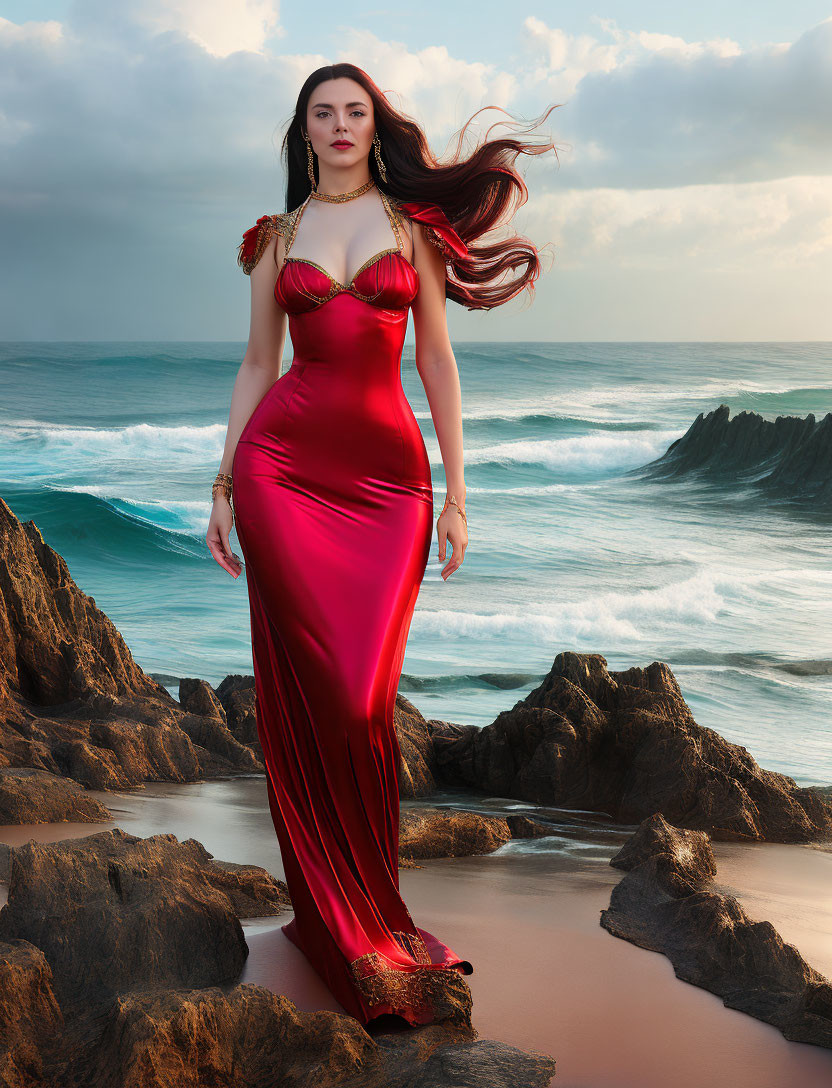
[(339, 198)]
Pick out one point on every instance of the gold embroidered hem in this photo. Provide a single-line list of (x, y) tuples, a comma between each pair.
[(413, 943), (417, 989)]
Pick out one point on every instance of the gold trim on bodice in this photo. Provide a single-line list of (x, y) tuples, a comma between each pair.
[(286, 224), (289, 226)]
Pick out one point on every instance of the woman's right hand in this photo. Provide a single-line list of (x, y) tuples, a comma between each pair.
[(219, 528)]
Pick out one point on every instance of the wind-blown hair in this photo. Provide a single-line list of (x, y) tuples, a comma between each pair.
[(475, 193)]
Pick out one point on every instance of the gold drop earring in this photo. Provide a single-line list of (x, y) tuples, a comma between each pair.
[(310, 163), (377, 146)]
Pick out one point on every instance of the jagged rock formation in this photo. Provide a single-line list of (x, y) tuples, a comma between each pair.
[(112, 910), (419, 770), (790, 457), (623, 743), (118, 961), (626, 744), (56, 645), (74, 704), (666, 903)]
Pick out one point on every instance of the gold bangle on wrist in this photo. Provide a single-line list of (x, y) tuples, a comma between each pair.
[(451, 501), (223, 485)]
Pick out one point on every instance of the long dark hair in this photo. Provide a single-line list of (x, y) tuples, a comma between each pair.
[(475, 193)]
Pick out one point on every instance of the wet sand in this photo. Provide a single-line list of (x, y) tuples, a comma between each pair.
[(547, 976)]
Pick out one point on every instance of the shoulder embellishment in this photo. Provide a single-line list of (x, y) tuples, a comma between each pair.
[(256, 238), (438, 229)]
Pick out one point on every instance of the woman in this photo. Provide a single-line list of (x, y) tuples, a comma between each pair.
[(333, 500)]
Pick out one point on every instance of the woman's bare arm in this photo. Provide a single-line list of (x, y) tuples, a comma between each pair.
[(438, 370), (260, 367), (258, 371)]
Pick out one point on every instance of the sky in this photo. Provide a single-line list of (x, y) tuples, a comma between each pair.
[(689, 198)]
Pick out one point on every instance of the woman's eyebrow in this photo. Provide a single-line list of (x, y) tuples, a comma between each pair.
[(329, 105)]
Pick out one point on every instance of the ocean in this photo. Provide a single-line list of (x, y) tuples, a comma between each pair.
[(111, 448)]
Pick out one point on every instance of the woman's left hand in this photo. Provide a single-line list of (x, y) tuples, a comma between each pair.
[(450, 525)]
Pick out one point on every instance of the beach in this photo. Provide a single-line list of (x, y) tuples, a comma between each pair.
[(571, 549), (546, 976)]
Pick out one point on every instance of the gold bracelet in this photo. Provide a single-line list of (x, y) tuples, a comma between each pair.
[(223, 485), (452, 502)]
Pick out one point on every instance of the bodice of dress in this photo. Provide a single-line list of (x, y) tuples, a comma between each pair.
[(386, 280), (364, 319)]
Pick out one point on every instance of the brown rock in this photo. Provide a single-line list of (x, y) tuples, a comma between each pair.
[(124, 923), (55, 643), (238, 698), (417, 775), (74, 703), (681, 862), (449, 833), (253, 891), (25, 792), (198, 697), (626, 744), (666, 903), (114, 912), (522, 827), (30, 1018), (439, 832), (248, 1037)]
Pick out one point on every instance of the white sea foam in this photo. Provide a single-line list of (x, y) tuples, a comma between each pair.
[(196, 445), (139, 440), (605, 619), (184, 516), (534, 489), (604, 404), (598, 451)]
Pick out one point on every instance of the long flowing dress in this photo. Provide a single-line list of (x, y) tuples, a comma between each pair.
[(334, 513)]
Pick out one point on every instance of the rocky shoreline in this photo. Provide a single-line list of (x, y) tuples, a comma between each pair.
[(789, 458), (126, 949), (668, 902)]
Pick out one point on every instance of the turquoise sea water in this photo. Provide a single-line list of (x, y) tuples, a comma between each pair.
[(112, 448)]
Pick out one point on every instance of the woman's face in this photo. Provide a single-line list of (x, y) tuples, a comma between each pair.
[(340, 122)]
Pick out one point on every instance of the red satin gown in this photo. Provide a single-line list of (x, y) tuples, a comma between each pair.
[(334, 513)]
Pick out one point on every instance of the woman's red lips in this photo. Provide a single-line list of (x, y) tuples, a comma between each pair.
[(341, 143)]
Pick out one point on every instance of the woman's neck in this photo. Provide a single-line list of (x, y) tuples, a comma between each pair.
[(341, 182)]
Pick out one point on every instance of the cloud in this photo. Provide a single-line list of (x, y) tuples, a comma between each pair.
[(140, 132), (220, 26), (656, 109), (181, 97), (442, 86), (784, 223), (105, 114)]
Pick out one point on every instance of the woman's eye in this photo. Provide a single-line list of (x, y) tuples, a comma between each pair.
[(324, 113)]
